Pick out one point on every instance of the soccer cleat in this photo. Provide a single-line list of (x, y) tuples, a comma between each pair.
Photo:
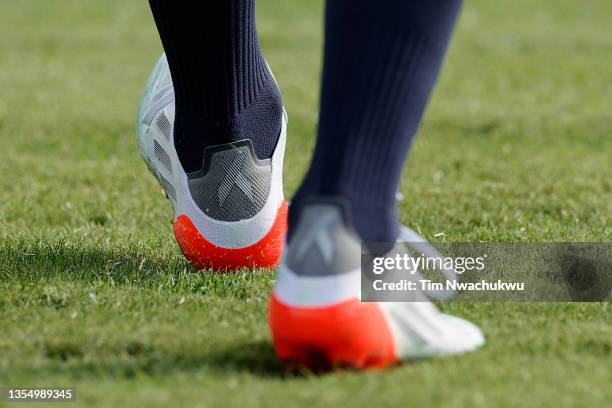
[(317, 319), (228, 215)]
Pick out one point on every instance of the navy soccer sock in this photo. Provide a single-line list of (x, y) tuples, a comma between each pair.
[(224, 91), (381, 62)]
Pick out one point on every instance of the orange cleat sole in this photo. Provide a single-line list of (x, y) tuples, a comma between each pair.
[(203, 254), (348, 334)]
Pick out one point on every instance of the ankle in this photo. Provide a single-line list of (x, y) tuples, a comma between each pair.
[(372, 222), (260, 121)]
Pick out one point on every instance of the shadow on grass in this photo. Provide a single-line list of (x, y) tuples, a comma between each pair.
[(40, 262), (135, 360), (257, 358)]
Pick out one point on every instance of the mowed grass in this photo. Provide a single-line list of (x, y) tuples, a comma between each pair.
[(95, 294)]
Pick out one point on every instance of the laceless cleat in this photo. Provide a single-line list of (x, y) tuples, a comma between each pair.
[(318, 321), (228, 215)]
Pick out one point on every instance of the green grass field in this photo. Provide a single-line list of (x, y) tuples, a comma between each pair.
[(95, 294)]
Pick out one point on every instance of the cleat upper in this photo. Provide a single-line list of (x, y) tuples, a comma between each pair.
[(241, 181), (233, 205), (316, 306)]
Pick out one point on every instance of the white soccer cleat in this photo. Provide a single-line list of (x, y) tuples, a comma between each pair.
[(230, 214), (316, 316)]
